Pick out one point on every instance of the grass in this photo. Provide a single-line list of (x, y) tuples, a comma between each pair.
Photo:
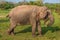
[(4, 12), (24, 32)]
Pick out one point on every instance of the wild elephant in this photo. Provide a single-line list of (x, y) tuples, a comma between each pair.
[(29, 14)]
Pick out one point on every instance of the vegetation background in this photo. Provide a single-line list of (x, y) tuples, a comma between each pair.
[(24, 32)]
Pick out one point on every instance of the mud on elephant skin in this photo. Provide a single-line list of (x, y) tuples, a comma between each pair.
[(29, 14)]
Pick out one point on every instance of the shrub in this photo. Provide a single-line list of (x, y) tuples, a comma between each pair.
[(6, 5)]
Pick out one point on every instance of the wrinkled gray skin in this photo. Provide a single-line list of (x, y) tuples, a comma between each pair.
[(29, 14)]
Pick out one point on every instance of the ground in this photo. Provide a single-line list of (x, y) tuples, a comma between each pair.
[(24, 32)]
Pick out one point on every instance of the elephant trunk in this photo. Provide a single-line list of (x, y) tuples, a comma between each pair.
[(51, 18)]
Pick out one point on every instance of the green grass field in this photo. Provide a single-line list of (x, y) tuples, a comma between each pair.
[(24, 32)]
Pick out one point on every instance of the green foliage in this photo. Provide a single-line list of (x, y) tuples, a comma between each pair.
[(54, 7), (30, 3), (58, 8), (35, 3), (51, 6), (9, 5), (6, 5)]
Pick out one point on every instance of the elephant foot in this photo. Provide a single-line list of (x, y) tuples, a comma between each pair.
[(40, 35), (10, 32), (33, 35)]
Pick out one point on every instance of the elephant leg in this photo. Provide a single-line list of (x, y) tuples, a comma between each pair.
[(33, 29), (33, 23), (12, 26), (39, 28)]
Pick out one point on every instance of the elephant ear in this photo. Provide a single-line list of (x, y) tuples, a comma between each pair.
[(50, 18)]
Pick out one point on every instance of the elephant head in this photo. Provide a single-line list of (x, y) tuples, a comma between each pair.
[(49, 19), (46, 15)]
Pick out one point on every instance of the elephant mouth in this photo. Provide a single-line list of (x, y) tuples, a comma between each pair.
[(46, 16)]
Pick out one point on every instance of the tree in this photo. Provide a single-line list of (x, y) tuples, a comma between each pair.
[(40, 2), (24, 2), (6, 5)]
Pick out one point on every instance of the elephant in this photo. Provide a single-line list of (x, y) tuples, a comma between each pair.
[(29, 14)]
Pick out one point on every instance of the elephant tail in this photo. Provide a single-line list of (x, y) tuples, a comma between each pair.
[(8, 16)]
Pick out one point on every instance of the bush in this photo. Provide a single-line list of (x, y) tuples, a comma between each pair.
[(6, 5)]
